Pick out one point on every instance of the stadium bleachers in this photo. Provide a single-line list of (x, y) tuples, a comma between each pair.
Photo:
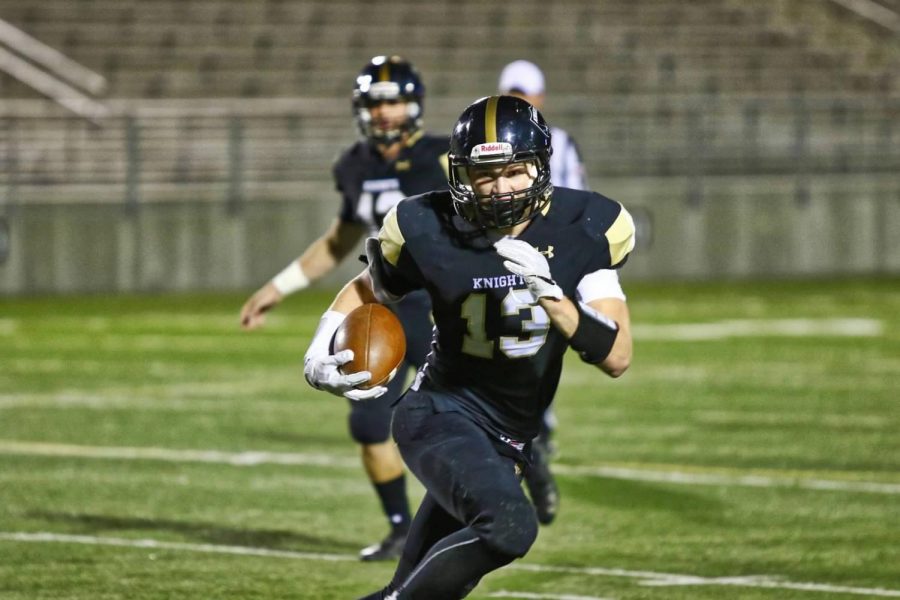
[(601, 53), (231, 101)]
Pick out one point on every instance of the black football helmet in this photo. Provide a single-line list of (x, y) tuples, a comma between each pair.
[(498, 130), (388, 78)]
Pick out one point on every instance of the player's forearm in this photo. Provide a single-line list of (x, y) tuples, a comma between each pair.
[(619, 358), (327, 252), (315, 262), (563, 315), (598, 338), (319, 259), (353, 295)]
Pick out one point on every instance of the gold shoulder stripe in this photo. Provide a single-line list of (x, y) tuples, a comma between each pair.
[(620, 237), (490, 120), (391, 237), (444, 159), (415, 137)]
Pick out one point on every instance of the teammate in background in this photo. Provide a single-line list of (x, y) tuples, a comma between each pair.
[(525, 80), (395, 160), (509, 264)]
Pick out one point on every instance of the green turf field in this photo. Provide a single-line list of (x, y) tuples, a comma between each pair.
[(149, 449)]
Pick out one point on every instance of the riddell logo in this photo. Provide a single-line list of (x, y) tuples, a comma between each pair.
[(503, 149)]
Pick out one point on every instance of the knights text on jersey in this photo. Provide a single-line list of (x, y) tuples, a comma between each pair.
[(495, 353), (370, 186)]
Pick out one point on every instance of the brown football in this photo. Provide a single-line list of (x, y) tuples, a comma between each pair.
[(376, 337)]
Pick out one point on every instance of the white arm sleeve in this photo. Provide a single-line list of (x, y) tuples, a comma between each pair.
[(598, 285)]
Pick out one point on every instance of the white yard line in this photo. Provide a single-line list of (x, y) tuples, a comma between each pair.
[(188, 397), (533, 596), (90, 540), (240, 459), (758, 328), (253, 458), (681, 477), (207, 340), (647, 578)]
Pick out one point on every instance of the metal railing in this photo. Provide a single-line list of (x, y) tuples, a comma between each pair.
[(882, 14), (60, 77), (228, 153)]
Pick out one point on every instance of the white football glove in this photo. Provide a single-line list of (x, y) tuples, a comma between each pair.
[(321, 368), (523, 259), (323, 373)]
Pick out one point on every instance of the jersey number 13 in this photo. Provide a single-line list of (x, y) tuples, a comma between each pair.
[(534, 327)]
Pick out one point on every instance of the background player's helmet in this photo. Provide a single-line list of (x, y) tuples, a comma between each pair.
[(388, 78), (494, 131)]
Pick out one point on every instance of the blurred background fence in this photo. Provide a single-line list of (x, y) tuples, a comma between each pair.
[(758, 138)]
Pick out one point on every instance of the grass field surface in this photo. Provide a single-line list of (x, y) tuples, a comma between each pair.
[(150, 449)]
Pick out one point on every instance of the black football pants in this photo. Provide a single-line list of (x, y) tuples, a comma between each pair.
[(474, 518)]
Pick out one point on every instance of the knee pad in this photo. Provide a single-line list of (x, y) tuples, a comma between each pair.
[(370, 425), (511, 529)]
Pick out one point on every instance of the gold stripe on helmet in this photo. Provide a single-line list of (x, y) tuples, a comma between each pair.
[(384, 73), (490, 120)]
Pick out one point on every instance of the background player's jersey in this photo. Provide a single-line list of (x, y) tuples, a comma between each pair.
[(370, 186), (496, 354)]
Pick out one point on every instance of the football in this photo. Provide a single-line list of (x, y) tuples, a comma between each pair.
[(376, 337)]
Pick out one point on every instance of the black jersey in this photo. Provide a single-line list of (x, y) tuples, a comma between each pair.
[(496, 354), (370, 186)]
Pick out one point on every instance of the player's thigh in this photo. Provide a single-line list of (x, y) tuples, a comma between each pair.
[(455, 460)]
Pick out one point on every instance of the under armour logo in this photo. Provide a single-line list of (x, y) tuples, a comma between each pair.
[(548, 252)]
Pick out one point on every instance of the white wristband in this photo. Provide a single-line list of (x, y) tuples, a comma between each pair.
[(321, 342), (291, 279)]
